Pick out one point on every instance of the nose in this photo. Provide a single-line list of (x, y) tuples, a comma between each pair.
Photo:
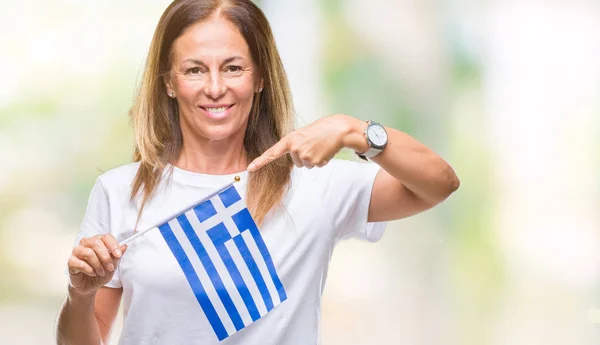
[(215, 88)]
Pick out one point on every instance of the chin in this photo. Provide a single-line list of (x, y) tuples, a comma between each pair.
[(218, 133)]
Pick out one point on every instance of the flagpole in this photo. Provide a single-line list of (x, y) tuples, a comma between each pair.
[(142, 233)]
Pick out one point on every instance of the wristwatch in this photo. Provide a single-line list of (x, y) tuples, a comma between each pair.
[(376, 138)]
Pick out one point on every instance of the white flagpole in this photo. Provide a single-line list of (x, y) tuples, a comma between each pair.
[(142, 233)]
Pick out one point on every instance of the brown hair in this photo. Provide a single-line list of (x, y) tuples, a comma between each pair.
[(155, 117)]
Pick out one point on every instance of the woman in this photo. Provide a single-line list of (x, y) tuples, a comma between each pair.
[(214, 103)]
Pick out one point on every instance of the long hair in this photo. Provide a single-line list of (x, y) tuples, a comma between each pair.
[(155, 116)]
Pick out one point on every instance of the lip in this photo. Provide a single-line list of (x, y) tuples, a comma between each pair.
[(216, 116)]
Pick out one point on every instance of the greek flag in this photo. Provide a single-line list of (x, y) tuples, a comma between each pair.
[(225, 261)]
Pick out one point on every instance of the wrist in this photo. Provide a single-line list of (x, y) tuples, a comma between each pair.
[(75, 294), (354, 135)]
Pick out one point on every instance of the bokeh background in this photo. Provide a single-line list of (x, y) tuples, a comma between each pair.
[(507, 91)]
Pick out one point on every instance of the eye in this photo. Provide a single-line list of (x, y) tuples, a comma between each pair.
[(233, 69), (193, 70)]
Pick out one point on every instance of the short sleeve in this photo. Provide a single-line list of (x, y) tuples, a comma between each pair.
[(350, 188), (96, 221)]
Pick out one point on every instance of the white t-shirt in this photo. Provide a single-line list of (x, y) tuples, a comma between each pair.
[(322, 207)]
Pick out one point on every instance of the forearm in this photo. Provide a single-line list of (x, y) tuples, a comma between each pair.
[(77, 324), (414, 165)]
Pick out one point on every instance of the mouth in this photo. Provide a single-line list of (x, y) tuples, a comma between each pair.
[(217, 111)]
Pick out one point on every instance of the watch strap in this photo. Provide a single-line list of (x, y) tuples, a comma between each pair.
[(370, 153)]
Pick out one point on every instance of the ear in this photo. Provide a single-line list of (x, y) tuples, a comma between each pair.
[(168, 84), (261, 84)]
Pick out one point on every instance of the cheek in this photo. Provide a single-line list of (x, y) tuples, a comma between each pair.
[(188, 88), (244, 89)]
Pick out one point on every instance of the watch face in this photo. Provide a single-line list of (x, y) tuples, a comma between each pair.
[(377, 135)]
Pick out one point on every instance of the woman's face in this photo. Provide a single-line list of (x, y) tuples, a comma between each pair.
[(213, 78)]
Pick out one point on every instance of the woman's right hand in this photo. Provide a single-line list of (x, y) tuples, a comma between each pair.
[(93, 262)]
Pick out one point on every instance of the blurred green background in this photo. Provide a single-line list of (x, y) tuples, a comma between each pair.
[(506, 91)]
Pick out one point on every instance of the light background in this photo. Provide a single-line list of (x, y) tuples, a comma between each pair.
[(506, 91)]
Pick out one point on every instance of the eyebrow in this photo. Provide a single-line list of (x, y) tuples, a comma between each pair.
[(228, 60)]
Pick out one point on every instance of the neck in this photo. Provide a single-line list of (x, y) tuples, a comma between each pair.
[(221, 157)]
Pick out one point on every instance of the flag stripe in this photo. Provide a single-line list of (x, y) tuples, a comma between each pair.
[(209, 289), (261, 308), (219, 235), (243, 299), (212, 272), (264, 272), (231, 267), (244, 217), (255, 271), (241, 285), (194, 281), (254, 252), (231, 230)]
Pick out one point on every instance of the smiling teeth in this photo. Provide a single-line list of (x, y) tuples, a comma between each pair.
[(217, 110)]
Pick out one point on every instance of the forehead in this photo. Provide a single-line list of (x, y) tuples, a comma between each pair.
[(213, 39)]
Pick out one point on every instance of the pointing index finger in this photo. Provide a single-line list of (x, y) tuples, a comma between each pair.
[(276, 151)]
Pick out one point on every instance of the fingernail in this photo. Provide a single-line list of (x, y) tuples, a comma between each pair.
[(110, 267), (251, 167), (101, 272), (118, 252)]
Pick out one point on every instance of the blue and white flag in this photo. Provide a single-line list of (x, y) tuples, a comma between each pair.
[(226, 262)]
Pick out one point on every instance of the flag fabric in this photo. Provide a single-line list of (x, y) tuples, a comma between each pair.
[(225, 261)]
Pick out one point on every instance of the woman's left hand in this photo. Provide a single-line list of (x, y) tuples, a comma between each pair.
[(310, 146)]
